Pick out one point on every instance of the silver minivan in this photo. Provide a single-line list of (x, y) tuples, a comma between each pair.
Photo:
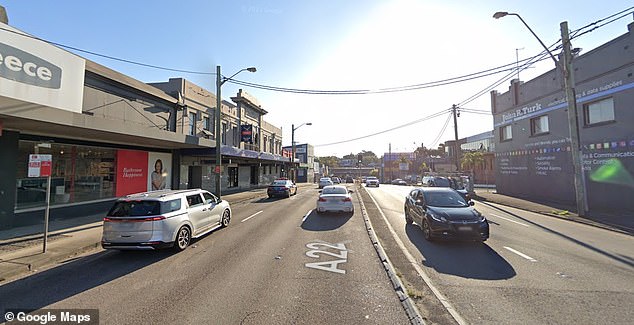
[(161, 219)]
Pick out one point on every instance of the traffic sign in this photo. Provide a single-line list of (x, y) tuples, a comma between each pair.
[(40, 165)]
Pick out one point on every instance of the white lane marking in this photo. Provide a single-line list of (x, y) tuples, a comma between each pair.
[(306, 216), (251, 216), (521, 254), (445, 302), (507, 219)]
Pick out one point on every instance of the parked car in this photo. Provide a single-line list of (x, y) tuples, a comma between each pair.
[(325, 181), (443, 213), (281, 187), (335, 198), (399, 181), (160, 219), (371, 181)]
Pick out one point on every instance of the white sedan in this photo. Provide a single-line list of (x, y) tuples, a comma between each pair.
[(335, 198)]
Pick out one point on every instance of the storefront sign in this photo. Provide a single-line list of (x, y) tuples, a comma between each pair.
[(246, 133), (36, 72), (40, 165)]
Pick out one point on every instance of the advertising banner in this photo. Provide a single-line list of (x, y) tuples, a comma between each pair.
[(159, 167), (132, 172), (40, 165), (246, 133)]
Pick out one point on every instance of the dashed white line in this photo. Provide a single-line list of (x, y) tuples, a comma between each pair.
[(306, 216), (507, 219), (251, 216), (521, 254)]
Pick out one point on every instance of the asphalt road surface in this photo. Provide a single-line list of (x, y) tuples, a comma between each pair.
[(277, 263), (533, 269)]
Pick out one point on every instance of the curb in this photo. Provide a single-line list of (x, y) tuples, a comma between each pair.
[(52, 233), (410, 307), (577, 219)]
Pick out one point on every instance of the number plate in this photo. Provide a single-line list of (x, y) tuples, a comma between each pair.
[(464, 228)]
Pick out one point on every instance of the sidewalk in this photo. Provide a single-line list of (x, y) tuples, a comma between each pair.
[(21, 248), (619, 223)]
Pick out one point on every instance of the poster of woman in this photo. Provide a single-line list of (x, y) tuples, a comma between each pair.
[(160, 166)]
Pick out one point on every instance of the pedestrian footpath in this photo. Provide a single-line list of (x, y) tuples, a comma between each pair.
[(21, 248), (623, 223)]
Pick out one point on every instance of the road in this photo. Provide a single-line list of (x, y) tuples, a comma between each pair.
[(534, 269), (277, 263)]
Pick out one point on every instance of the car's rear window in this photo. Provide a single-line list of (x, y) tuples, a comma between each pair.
[(279, 183), (335, 190), (143, 208)]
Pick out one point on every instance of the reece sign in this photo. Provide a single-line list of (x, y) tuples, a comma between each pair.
[(34, 71)]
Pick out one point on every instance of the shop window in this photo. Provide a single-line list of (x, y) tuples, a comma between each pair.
[(599, 112), (506, 133), (79, 174), (539, 125)]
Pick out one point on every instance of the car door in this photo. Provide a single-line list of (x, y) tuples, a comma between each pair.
[(215, 209), (198, 212)]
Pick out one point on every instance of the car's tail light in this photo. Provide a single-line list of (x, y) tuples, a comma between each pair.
[(321, 199), (347, 199), (159, 218)]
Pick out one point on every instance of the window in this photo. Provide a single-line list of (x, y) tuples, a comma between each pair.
[(264, 143), (224, 133), (206, 125), (506, 133), (598, 112), (192, 123), (539, 125), (194, 200)]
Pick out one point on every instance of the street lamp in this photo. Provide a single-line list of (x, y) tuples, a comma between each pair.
[(220, 80), (573, 123), (293, 128)]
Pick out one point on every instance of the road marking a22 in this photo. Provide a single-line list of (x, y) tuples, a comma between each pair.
[(330, 266)]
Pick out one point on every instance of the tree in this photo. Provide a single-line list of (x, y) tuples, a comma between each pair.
[(374, 172), (330, 161), (472, 159)]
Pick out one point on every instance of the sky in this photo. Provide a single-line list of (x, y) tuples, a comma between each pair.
[(328, 45)]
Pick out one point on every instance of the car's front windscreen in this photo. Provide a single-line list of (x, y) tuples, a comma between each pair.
[(445, 199)]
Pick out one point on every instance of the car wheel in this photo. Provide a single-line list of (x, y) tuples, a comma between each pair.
[(288, 194), (426, 230), (270, 196), (408, 219), (183, 238), (226, 218)]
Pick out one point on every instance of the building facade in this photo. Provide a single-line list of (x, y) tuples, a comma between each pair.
[(304, 162), (532, 138), (107, 135)]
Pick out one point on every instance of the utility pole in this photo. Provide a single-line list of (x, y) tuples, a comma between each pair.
[(573, 122), (293, 153), (218, 136), (389, 156), (454, 108)]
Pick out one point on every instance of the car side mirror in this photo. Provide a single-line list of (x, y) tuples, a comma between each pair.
[(350, 191), (471, 203)]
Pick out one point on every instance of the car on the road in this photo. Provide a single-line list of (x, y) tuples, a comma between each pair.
[(399, 181), (441, 212), (335, 198), (281, 187), (349, 179), (162, 219), (371, 181), (325, 181), (336, 180)]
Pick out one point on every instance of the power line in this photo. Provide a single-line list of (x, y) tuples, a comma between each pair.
[(599, 26), (442, 131), (388, 130), (574, 32)]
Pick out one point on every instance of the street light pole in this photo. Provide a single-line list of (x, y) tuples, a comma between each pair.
[(293, 128), (219, 82), (573, 124)]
